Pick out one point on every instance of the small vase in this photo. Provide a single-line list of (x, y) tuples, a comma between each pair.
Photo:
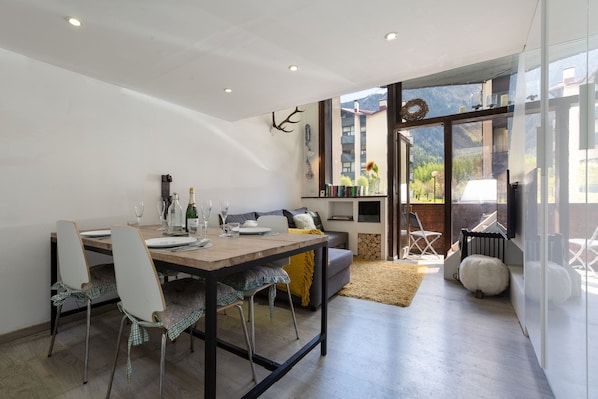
[(374, 186)]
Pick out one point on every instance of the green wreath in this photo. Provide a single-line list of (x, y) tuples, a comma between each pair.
[(420, 113)]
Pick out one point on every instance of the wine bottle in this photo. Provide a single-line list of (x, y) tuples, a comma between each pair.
[(176, 218), (192, 216)]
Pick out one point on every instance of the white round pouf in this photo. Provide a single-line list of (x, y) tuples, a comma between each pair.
[(484, 275)]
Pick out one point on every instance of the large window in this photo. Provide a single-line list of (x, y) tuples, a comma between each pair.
[(359, 137)]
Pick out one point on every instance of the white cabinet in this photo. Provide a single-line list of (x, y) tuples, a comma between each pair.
[(364, 218)]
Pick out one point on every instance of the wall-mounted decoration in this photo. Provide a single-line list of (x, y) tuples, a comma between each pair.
[(310, 173), (410, 114), (282, 126)]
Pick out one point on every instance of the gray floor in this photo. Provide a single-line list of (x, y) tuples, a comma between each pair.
[(447, 344)]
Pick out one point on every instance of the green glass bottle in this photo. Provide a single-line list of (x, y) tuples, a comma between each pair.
[(192, 217)]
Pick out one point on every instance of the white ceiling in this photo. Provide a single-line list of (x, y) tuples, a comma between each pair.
[(187, 51)]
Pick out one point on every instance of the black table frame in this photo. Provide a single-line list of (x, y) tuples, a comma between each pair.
[(278, 370)]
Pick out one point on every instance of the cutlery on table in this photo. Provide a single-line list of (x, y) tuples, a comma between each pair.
[(199, 244)]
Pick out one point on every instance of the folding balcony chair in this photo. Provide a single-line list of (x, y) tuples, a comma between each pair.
[(259, 278), (173, 306), (419, 238), (77, 280), (578, 248)]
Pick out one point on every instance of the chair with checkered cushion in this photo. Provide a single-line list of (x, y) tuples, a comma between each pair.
[(173, 306), (77, 280), (260, 277)]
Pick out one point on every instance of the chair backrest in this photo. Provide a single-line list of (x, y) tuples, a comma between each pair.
[(594, 237), (414, 222), (137, 281), (72, 261), (277, 223)]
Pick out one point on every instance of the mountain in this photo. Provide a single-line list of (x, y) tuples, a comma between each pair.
[(446, 100)]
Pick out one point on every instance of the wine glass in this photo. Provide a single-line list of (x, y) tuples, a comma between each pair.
[(161, 205), (223, 214), (139, 212), (205, 207)]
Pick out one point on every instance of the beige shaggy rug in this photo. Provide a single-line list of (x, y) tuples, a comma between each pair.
[(394, 283)]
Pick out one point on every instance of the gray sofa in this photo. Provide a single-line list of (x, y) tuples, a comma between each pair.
[(339, 258)]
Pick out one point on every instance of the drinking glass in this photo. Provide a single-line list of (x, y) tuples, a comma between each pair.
[(205, 207), (223, 214), (139, 212), (161, 205)]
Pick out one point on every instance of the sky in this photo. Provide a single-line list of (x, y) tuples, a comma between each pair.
[(361, 94)]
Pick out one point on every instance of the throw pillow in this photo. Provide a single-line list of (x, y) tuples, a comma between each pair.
[(290, 214), (304, 221), (317, 220)]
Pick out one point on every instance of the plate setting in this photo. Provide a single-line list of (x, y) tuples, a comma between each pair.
[(95, 233), (254, 230), (169, 242)]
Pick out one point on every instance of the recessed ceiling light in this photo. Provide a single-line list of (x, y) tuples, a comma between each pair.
[(228, 90), (73, 21), (391, 36), (293, 68)]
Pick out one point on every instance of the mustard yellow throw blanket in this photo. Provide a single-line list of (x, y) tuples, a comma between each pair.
[(301, 270)]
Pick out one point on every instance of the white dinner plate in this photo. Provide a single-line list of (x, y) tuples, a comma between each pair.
[(169, 242), (254, 230), (95, 233)]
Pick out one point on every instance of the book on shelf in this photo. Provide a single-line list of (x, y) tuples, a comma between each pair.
[(343, 191), (341, 217)]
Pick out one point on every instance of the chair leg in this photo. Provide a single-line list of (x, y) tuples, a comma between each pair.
[(249, 350), (191, 336), (58, 310), (293, 311), (252, 321), (120, 333), (162, 363), (88, 327)]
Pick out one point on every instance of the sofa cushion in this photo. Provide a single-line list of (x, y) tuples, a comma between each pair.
[(337, 239), (289, 214), (240, 218), (338, 260), (277, 212)]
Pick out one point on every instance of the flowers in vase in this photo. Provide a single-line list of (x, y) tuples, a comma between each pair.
[(373, 179), (372, 168)]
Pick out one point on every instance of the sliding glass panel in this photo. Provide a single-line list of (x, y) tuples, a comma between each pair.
[(572, 215), (480, 165), (592, 199)]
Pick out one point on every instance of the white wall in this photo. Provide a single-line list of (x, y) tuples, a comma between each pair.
[(77, 148)]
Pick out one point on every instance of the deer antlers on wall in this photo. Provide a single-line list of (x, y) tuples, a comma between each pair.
[(282, 125)]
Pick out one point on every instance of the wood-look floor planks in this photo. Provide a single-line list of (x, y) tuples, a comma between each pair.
[(446, 344)]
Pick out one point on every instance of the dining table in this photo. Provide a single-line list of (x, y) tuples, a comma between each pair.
[(225, 255)]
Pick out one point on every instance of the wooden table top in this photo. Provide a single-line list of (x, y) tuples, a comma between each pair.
[(224, 252)]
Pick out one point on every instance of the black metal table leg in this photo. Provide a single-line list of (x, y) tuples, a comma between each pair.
[(210, 338)]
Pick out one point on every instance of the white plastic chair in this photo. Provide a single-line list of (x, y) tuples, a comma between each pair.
[(77, 279), (259, 278), (419, 238), (580, 246), (173, 306)]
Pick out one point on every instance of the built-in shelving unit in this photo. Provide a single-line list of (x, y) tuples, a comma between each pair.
[(364, 218)]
